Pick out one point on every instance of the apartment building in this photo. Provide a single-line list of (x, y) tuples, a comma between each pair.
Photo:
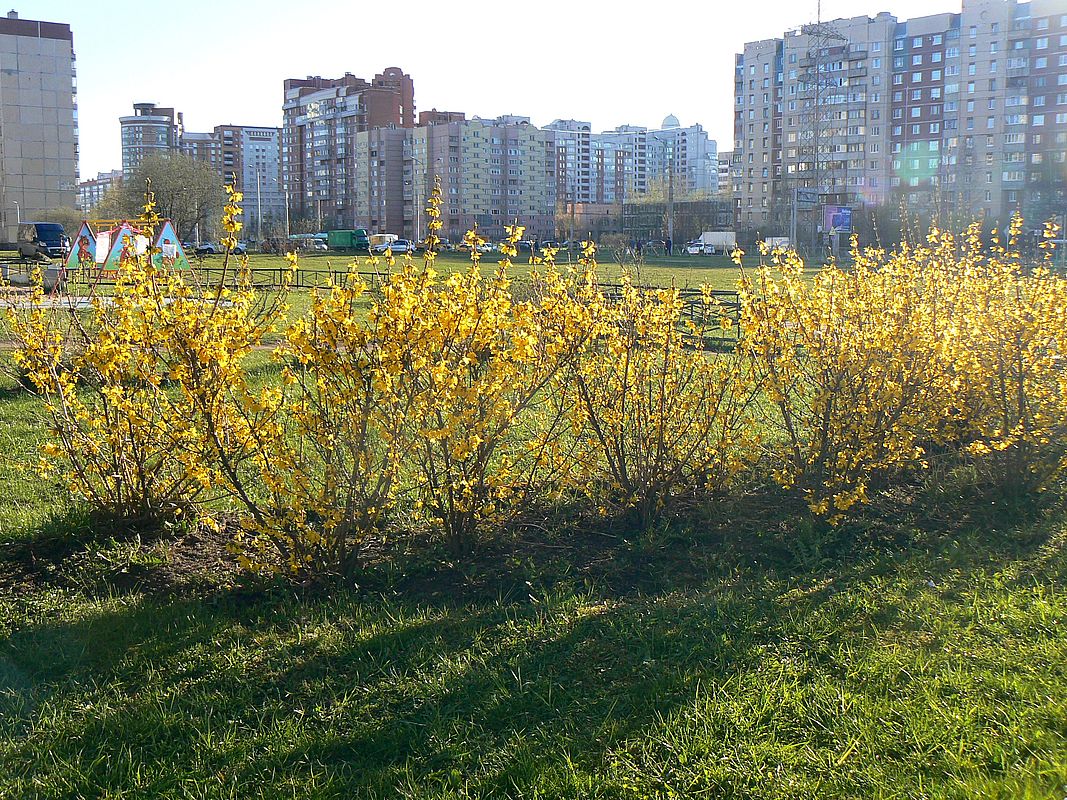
[(38, 120), (572, 148), (321, 118), (254, 155), (724, 161), (203, 146), (150, 130), (956, 115), (492, 173), (620, 164), (686, 157), (92, 191)]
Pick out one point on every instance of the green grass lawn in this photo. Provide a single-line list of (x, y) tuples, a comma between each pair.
[(734, 656), (682, 271)]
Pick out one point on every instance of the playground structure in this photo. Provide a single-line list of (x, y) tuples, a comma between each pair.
[(97, 253)]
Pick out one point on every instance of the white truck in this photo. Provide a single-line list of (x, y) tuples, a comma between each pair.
[(778, 243), (712, 242)]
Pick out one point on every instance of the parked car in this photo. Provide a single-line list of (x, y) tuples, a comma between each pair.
[(397, 247), (212, 249), (486, 247)]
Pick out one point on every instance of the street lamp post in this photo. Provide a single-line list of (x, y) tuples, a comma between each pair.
[(18, 212), (259, 209), (415, 194)]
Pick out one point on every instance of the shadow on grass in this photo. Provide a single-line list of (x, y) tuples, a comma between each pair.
[(351, 695)]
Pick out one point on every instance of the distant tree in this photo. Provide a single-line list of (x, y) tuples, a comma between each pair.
[(69, 218), (115, 205), (187, 191)]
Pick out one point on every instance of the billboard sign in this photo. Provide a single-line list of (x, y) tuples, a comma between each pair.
[(837, 219)]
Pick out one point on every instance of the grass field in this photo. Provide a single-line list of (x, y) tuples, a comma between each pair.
[(682, 271), (920, 652)]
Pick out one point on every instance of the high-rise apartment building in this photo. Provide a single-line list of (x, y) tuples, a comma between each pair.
[(950, 114), (321, 117), (150, 130), (253, 155), (492, 173), (38, 119), (203, 146), (625, 163), (724, 162), (685, 157)]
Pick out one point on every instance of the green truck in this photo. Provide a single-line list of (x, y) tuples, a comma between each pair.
[(355, 241)]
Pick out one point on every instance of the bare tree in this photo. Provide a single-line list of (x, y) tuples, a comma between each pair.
[(187, 191)]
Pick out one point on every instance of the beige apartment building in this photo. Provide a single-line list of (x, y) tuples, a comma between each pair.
[(38, 120), (493, 172)]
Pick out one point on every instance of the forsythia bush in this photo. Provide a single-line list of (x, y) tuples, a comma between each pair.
[(1006, 358), (666, 419), (853, 386), (125, 380), (449, 403), (946, 345)]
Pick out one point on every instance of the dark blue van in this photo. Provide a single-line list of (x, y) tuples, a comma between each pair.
[(36, 239)]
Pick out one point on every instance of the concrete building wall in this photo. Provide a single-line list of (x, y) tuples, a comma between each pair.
[(38, 120)]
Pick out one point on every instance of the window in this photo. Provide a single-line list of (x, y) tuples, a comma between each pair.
[(1041, 43), (916, 60), (917, 41), (936, 39), (1037, 120), (916, 77), (898, 44), (936, 57)]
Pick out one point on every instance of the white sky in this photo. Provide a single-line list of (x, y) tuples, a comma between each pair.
[(606, 62)]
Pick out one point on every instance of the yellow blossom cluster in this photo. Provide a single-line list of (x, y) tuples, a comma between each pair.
[(448, 402), (949, 345)]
